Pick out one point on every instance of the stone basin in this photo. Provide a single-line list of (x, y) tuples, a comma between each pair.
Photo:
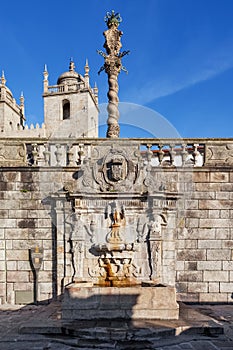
[(134, 302)]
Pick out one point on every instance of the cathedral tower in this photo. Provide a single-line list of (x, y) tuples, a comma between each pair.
[(71, 106), (11, 114)]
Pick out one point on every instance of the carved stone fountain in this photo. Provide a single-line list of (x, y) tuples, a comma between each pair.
[(122, 238), (122, 226)]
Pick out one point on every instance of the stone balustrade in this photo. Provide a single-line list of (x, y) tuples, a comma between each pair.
[(64, 88), (157, 153), (64, 153)]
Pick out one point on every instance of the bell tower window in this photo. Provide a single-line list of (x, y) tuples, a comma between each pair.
[(66, 109)]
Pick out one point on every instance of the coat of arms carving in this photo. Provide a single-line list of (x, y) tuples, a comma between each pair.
[(116, 169)]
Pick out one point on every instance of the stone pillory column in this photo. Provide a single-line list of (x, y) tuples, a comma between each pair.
[(112, 67)]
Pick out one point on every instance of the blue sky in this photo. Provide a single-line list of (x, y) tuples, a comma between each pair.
[(180, 62)]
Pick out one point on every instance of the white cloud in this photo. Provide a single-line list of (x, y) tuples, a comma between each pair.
[(178, 77)]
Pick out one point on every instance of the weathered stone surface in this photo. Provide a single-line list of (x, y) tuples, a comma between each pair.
[(197, 286), (215, 204), (191, 204), (190, 276), (190, 265), (213, 297), (209, 265), (209, 223), (192, 255), (129, 302), (13, 276), (219, 176), (228, 265), (214, 214), (200, 242), (209, 243), (216, 276), (191, 243), (11, 265), (227, 244), (214, 287), (219, 154), (27, 223), (223, 233), (226, 287), (17, 255), (201, 176), (206, 187), (214, 254)]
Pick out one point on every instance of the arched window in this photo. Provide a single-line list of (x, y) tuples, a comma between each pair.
[(66, 109)]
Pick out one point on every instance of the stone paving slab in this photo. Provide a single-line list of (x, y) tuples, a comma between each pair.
[(199, 328), (198, 345)]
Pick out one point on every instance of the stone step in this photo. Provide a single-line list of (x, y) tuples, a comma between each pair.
[(120, 332), (200, 345)]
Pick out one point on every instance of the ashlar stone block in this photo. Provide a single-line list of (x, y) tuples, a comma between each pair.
[(213, 297), (191, 255), (226, 287), (214, 287), (190, 276), (219, 176), (209, 265), (216, 276), (218, 254), (13, 276), (209, 243), (197, 287)]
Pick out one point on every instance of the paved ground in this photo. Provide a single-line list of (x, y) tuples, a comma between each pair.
[(200, 327)]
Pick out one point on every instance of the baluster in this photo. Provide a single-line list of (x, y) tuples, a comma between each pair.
[(81, 153), (58, 154), (149, 152), (35, 154), (172, 154), (195, 153), (184, 154), (46, 154), (70, 156), (160, 154)]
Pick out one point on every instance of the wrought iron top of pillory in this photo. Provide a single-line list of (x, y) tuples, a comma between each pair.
[(112, 66)]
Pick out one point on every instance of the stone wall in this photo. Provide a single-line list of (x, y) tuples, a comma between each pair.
[(204, 257), (30, 195)]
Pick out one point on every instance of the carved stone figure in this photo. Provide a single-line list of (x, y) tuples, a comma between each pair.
[(116, 216), (154, 246), (116, 271), (77, 242)]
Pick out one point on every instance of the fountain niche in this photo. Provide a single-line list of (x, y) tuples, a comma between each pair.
[(122, 227), (123, 223)]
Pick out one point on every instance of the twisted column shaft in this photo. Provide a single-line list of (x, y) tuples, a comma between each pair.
[(113, 111), (112, 67)]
